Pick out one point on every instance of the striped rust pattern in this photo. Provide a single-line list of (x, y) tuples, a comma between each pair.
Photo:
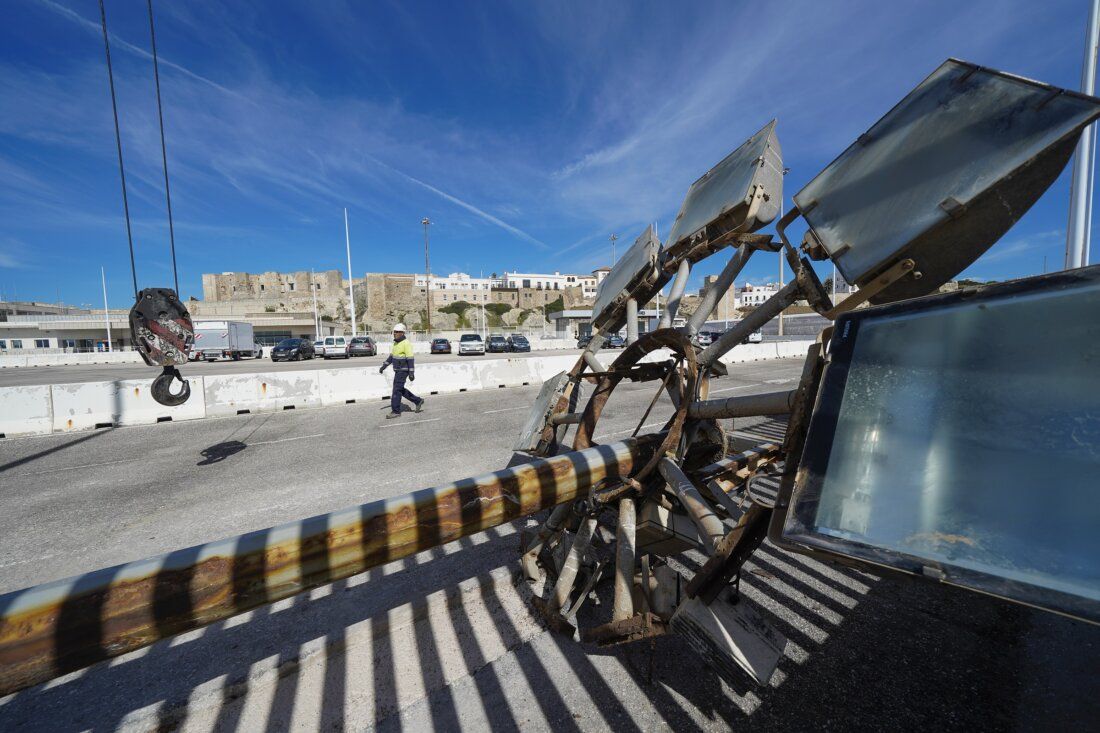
[(52, 629)]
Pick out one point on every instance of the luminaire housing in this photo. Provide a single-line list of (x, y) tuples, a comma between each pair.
[(943, 175), (958, 437)]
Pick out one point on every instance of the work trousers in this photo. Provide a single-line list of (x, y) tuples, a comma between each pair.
[(399, 391)]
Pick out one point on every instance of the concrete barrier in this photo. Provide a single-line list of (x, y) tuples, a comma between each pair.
[(99, 357), (232, 394), (340, 386), (42, 409), (25, 410), (122, 402)]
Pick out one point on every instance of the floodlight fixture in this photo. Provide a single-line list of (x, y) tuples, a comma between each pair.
[(634, 276), (955, 437), (942, 176)]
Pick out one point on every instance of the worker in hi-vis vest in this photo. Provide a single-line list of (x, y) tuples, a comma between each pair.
[(401, 356)]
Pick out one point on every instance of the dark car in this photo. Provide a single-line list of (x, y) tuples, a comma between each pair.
[(496, 344), (518, 343), (292, 350), (441, 346), (615, 341), (583, 341), (363, 346)]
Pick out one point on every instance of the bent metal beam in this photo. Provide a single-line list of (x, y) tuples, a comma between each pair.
[(56, 628)]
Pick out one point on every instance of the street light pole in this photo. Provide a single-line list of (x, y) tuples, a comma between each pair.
[(106, 311), (316, 316), (351, 285), (1080, 199), (427, 275), (613, 238)]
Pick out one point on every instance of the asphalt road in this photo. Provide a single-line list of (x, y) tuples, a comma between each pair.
[(442, 640), (17, 376)]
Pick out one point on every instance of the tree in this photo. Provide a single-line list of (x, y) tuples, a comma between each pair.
[(554, 306), (459, 309)]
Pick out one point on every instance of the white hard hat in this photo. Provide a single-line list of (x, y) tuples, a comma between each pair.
[(399, 327)]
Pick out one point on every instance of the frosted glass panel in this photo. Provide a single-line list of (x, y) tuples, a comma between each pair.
[(970, 435)]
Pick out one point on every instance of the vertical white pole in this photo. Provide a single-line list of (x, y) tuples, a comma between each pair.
[(106, 311), (1080, 199), (834, 283), (780, 287), (351, 286)]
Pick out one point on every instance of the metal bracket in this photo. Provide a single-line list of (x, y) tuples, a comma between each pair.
[(873, 288)]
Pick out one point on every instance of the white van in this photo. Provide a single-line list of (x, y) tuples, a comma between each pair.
[(335, 346)]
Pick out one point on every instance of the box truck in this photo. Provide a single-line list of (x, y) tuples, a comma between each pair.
[(224, 340)]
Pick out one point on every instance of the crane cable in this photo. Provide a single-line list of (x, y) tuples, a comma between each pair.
[(118, 143), (163, 148)]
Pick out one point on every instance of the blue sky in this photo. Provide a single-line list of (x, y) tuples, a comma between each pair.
[(527, 131)]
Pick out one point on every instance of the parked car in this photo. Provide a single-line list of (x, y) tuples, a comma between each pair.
[(583, 341), (470, 343), (518, 343), (292, 350), (335, 346), (441, 346), (706, 338), (258, 350), (497, 344), (319, 347), (362, 346), (615, 341), (756, 337)]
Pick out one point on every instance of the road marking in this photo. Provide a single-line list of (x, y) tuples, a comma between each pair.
[(730, 389), (506, 409), (411, 422), (77, 468), (287, 440), (629, 430)]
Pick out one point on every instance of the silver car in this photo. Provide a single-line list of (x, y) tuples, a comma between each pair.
[(470, 343)]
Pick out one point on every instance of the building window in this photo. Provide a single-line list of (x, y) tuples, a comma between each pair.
[(262, 287), (70, 343), (3, 344), (291, 286), (17, 343), (526, 283), (318, 286), (41, 343)]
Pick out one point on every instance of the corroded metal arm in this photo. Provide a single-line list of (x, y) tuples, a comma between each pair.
[(52, 629)]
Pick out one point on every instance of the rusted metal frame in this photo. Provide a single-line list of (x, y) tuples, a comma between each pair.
[(730, 554), (664, 338), (731, 464), (718, 288), (797, 426), (710, 527), (653, 402), (549, 528), (754, 321), (769, 403), (625, 531), (896, 272), (804, 285), (559, 598), (640, 626), (56, 628), (676, 293)]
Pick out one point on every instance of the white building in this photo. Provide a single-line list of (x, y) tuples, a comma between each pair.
[(456, 281), (754, 295), (557, 281)]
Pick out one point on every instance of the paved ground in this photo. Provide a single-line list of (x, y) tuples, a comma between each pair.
[(442, 640), (16, 376)]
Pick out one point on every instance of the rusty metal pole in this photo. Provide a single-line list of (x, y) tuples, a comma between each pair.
[(770, 403), (710, 527), (59, 627), (572, 564), (624, 561)]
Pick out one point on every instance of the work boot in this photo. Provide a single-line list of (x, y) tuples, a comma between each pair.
[(392, 415), (420, 405)]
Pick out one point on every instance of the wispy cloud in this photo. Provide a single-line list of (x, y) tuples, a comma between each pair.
[(118, 42), (463, 204)]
